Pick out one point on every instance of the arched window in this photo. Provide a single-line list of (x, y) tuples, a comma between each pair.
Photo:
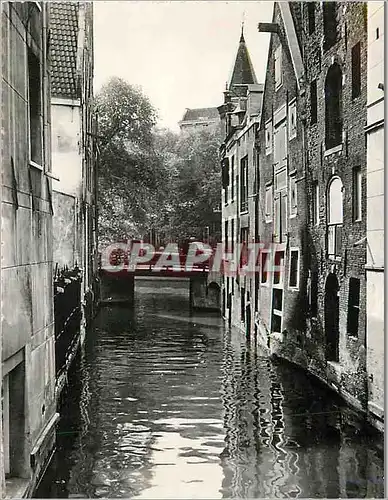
[(329, 24), (334, 218), (333, 106)]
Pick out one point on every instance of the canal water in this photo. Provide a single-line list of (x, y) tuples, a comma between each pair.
[(165, 404)]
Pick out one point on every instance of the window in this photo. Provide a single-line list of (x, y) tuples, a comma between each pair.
[(225, 176), (293, 195), (280, 144), (13, 418), (315, 203), (232, 175), (311, 16), (268, 138), (232, 236), (35, 108), (264, 263), (313, 102), (278, 67), (281, 180), (335, 218), (278, 271), (244, 247), (277, 310), (313, 296), (292, 120), (357, 194), (293, 281), (333, 107), (226, 237), (244, 184), (268, 203), (329, 24), (280, 214), (353, 306), (356, 70), (35, 181)]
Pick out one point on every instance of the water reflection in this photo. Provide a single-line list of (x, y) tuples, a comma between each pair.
[(170, 405)]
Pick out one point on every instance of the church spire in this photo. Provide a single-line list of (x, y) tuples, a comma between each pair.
[(243, 72), (242, 39)]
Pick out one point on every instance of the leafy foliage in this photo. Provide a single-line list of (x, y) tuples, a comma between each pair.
[(153, 179), (131, 175)]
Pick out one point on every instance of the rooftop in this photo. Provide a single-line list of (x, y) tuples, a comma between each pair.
[(63, 47)]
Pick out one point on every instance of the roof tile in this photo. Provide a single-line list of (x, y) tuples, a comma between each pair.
[(63, 43)]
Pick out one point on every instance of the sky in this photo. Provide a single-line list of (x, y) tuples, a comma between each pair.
[(180, 52)]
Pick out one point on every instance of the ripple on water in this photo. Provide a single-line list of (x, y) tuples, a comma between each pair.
[(174, 406)]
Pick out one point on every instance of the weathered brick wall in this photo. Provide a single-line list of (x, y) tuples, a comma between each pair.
[(293, 300), (303, 339), (321, 168)]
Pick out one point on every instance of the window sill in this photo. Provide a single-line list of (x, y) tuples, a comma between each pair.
[(278, 86), (292, 216), (293, 288), (268, 221), (334, 259), (36, 165), (335, 149)]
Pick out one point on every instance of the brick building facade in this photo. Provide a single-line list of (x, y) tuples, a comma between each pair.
[(309, 292), (240, 116)]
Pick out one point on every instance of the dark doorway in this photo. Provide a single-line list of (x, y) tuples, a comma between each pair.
[(332, 318)]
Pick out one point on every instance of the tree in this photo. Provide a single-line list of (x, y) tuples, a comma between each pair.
[(132, 176), (196, 193)]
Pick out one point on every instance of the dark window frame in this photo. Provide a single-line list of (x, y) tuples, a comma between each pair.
[(311, 17), (313, 102), (356, 70), (353, 319), (333, 107)]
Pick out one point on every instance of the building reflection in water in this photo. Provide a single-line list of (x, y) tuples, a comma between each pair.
[(286, 436)]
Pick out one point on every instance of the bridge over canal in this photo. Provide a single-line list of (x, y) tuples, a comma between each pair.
[(117, 284)]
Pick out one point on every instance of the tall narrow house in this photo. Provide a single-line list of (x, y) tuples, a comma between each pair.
[(281, 213), (240, 116), (312, 165), (74, 148), (27, 319)]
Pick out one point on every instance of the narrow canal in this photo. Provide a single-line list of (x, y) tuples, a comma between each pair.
[(165, 404)]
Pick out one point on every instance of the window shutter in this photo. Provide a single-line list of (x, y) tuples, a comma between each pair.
[(277, 214), (283, 216)]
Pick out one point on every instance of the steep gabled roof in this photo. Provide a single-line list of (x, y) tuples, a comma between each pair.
[(63, 48), (291, 28), (243, 71)]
